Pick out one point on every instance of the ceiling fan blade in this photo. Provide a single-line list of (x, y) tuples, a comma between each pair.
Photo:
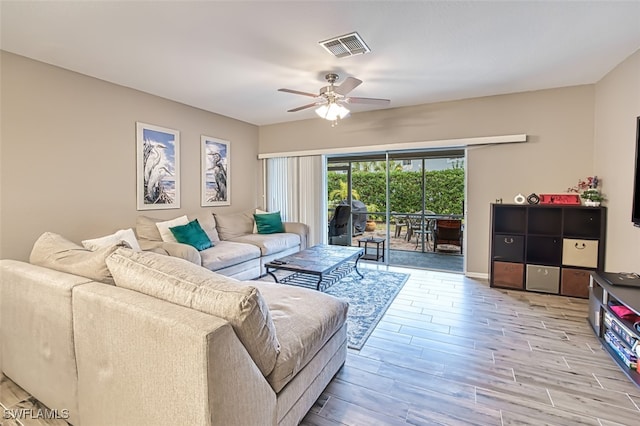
[(304, 107), (348, 85), (371, 101), (297, 92)]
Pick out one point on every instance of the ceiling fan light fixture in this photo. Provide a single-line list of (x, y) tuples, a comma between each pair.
[(332, 111)]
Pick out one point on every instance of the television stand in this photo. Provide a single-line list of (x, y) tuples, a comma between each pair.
[(616, 331)]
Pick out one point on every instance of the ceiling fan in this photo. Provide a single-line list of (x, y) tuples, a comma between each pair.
[(331, 98)]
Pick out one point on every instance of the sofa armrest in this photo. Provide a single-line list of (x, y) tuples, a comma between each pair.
[(37, 332), (299, 228), (183, 251), (135, 353)]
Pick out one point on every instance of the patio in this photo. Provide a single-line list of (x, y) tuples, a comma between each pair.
[(410, 254)]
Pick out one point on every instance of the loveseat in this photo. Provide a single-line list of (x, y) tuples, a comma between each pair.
[(238, 250), (169, 343)]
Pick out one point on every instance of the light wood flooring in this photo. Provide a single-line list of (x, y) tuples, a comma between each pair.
[(452, 351)]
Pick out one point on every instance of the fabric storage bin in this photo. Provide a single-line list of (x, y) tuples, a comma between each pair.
[(508, 275), (575, 282), (582, 253), (543, 278), (508, 248)]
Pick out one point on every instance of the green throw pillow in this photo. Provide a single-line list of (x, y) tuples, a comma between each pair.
[(269, 223), (192, 234)]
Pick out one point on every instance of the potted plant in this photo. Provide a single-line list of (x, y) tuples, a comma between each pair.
[(371, 223), (592, 197)]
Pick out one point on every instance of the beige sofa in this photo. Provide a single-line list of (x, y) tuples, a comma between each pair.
[(238, 251), (170, 343)]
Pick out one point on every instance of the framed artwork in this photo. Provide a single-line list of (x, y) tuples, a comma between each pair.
[(216, 158), (158, 167)]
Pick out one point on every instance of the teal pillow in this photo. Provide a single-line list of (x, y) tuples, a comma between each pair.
[(192, 234), (269, 223)]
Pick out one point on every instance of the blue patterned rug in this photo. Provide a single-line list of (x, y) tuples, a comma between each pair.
[(368, 299)]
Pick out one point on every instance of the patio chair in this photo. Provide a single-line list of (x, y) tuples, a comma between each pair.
[(339, 226), (447, 231)]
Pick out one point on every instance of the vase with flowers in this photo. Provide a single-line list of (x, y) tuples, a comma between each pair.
[(589, 192)]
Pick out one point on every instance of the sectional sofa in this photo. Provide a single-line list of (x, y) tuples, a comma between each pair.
[(170, 343), (238, 250)]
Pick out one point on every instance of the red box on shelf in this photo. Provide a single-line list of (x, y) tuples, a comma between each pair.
[(572, 199)]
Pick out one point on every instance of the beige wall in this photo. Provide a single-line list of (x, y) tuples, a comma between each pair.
[(558, 122), (68, 151), (617, 104), (68, 158)]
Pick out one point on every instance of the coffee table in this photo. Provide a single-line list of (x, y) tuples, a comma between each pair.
[(319, 266)]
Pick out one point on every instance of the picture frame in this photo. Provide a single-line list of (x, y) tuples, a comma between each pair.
[(157, 167), (215, 170)]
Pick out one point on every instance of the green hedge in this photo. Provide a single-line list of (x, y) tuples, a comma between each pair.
[(444, 189)]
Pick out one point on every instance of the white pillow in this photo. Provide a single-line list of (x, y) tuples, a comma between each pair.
[(165, 232), (126, 235), (255, 228)]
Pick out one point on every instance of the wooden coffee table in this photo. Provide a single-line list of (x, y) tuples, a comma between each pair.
[(319, 266)]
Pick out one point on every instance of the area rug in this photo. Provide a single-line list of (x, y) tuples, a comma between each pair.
[(369, 298)]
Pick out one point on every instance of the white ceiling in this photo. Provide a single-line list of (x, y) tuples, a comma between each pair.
[(231, 57)]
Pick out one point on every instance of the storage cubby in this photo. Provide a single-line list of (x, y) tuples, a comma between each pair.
[(582, 223), (511, 220), (545, 221), (546, 248)]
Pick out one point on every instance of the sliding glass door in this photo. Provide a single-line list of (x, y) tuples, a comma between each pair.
[(405, 198)]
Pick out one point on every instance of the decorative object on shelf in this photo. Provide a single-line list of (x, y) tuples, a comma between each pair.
[(533, 199), (519, 199), (588, 190), (570, 199), (158, 167), (592, 197)]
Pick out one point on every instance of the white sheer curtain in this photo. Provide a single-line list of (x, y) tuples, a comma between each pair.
[(295, 187)]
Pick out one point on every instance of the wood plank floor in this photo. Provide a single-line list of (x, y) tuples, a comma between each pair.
[(452, 351)]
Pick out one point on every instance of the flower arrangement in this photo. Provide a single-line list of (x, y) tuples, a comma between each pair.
[(588, 190)]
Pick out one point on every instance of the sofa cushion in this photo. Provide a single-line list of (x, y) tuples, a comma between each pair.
[(228, 253), (56, 252), (302, 328), (268, 223), (146, 228), (192, 234), (126, 235), (208, 224), (183, 283), (165, 228), (270, 243), (234, 225)]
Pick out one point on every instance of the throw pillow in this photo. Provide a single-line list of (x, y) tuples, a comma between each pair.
[(192, 234), (56, 252), (270, 223), (126, 235), (163, 228), (255, 227), (234, 225), (183, 283)]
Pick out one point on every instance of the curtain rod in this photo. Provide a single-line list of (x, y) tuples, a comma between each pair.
[(443, 143)]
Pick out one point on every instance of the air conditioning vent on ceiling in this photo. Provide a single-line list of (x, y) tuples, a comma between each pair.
[(346, 45)]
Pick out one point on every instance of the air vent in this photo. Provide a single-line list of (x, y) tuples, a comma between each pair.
[(346, 45)]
